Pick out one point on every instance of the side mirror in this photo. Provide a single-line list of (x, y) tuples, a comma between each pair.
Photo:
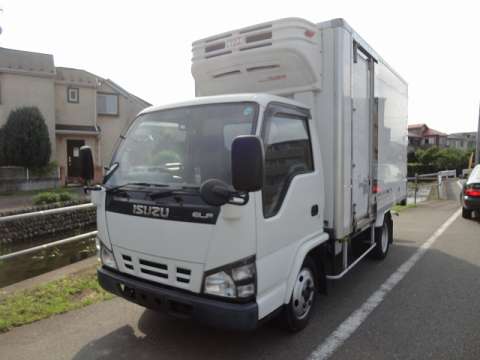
[(247, 163), (86, 163)]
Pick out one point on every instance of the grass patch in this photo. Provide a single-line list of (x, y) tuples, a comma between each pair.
[(72, 292), (400, 208)]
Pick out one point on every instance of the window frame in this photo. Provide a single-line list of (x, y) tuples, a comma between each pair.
[(288, 111), (117, 113), (69, 99)]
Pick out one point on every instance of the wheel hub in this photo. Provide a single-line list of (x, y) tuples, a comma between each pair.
[(303, 293)]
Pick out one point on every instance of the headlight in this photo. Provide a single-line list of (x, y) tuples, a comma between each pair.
[(106, 256), (220, 284), (237, 280)]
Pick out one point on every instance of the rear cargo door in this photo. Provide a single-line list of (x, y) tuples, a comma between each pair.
[(361, 133)]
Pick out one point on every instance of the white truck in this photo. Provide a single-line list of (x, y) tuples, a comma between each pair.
[(278, 177)]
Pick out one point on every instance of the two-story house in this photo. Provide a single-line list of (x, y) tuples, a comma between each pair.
[(420, 135), (79, 108)]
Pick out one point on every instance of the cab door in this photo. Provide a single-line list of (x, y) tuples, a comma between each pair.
[(289, 208)]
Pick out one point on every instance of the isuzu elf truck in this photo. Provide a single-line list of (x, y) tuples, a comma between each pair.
[(278, 178)]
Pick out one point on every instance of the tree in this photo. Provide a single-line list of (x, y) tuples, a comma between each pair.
[(26, 138), (436, 159)]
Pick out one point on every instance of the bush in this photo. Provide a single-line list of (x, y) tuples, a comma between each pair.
[(26, 139), (48, 197), (65, 196)]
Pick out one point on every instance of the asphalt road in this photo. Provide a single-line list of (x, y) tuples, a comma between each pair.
[(433, 312)]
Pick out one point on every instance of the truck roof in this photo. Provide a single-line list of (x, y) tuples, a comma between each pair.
[(339, 22), (260, 98)]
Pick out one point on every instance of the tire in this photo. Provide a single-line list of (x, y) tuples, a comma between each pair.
[(466, 214), (383, 239), (299, 310)]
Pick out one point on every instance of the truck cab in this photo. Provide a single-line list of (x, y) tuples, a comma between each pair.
[(158, 224)]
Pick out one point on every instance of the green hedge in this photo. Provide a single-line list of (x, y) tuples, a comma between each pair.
[(51, 197)]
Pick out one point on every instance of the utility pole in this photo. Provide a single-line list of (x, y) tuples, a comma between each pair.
[(477, 153)]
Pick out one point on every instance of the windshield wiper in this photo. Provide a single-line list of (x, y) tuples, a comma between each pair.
[(177, 191), (144, 184)]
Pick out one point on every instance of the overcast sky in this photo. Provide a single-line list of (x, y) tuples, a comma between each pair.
[(145, 46)]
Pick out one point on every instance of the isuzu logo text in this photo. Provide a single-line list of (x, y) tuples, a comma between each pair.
[(153, 211)]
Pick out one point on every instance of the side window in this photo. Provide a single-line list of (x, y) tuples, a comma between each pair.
[(288, 152)]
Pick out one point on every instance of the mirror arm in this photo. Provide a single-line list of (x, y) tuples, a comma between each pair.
[(242, 195), (88, 188)]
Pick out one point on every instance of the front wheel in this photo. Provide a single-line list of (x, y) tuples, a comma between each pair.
[(382, 239), (299, 310)]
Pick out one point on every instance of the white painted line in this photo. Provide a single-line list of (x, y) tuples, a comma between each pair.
[(351, 324)]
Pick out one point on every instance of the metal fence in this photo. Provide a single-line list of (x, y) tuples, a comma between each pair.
[(52, 244), (436, 181)]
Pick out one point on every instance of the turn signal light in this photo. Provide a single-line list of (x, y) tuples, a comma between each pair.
[(472, 192)]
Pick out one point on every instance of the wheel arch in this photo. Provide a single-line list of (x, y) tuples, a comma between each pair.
[(381, 218), (311, 247)]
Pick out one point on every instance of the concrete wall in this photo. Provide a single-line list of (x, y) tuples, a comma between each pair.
[(19, 90), (81, 113)]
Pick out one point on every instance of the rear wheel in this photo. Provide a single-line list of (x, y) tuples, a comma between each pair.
[(466, 214), (299, 310), (383, 238)]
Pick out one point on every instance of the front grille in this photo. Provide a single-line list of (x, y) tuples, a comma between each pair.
[(154, 270), (183, 275), (128, 263)]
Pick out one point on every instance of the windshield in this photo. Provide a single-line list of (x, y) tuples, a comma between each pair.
[(182, 146)]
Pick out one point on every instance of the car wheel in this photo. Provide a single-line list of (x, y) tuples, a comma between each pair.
[(299, 310), (466, 214), (383, 239)]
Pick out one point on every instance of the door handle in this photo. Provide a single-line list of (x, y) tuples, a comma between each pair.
[(314, 210)]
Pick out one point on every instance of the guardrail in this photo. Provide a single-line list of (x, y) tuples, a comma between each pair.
[(54, 243), (46, 212), (49, 245), (438, 177)]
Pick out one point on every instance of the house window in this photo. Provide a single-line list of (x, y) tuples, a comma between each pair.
[(73, 95), (107, 104)]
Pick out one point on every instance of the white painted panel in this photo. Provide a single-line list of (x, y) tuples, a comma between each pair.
[(392, 94), (361, 137)]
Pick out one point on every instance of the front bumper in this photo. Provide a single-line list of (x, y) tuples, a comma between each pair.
[(180, 303), (471, 203)]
